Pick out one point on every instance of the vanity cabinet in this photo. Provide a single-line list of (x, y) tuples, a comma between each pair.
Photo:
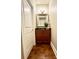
[(43, 35)]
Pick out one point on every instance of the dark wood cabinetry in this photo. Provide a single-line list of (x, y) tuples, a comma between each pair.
[(43, 35)]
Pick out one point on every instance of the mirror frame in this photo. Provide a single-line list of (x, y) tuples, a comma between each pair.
[(39, 18)]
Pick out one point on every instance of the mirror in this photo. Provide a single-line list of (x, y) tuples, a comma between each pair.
[(42, 20)]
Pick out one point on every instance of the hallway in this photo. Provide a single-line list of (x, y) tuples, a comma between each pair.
[(39, 32), (43, 51)]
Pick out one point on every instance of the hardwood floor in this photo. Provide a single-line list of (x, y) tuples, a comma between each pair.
[(42, 51)]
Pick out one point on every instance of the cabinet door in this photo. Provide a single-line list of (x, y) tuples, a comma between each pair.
[(43, 36)]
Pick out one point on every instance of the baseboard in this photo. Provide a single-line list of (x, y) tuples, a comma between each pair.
[(54, 49), (29, 50)]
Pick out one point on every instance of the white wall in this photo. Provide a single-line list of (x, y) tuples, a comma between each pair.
[(53, 22), (27, 29), (42, 7)]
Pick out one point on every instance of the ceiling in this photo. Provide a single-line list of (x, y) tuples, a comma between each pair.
[(34, 2), (42, 1)]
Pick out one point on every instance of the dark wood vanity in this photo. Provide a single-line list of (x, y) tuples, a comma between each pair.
[(43, 35)]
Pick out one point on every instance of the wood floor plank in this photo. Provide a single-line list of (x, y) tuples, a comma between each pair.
[(42, 51)]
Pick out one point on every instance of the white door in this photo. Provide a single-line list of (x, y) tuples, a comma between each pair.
[(27, 29)]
